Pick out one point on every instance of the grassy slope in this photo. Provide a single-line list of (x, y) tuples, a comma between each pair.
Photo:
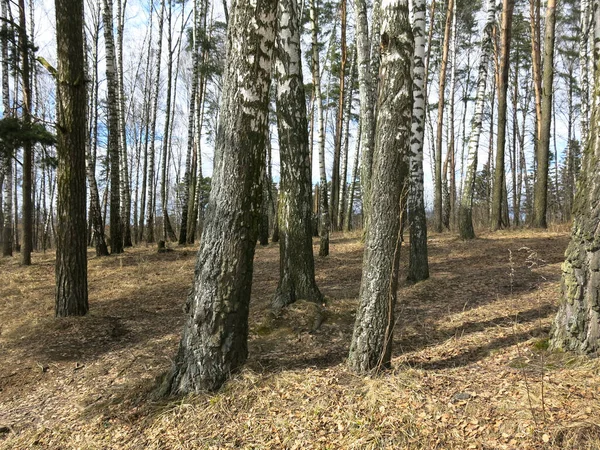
[(469, 358)]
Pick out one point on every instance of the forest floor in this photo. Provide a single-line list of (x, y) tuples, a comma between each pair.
[(470, 364)]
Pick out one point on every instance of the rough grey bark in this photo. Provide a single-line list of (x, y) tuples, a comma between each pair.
[(296, 261), (116, 230), (418, 266), (71, 243), (577, 324), (367, 102), (215, 335), (373, 330), (465, 213)]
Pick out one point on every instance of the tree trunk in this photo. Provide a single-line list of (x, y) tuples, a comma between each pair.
[(418, 266), (316, 75), (71, 243), (373, 330), (27, 147), (152, 151), (367, 105), (465, 221), (499, 197), (215, 335), (296, 266), (116, 231), (540, 196), (337, 147), (7, 207), (437, 197), (345, 154), (354, 180)]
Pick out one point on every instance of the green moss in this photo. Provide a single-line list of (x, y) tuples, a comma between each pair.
[(542, 344)]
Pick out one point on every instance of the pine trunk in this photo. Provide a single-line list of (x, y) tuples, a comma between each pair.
[(540, 196), (71, 243)]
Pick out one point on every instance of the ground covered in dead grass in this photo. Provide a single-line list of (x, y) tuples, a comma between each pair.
[(471, 369)]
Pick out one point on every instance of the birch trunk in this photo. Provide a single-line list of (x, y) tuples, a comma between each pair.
[(373, 330), (316, 75), (296, 262), (7, 206), (465, 222), (214, 343)]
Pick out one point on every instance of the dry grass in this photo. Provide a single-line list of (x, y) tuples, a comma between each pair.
[(470, 365)]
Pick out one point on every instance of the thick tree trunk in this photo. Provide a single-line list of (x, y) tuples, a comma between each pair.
[(540, 196), (418, 266), (296, 261), (71, 243), (499, 196), (373, 330), (465, 215), (215, 335)]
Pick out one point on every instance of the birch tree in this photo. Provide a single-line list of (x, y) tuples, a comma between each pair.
[(418, 267), (296, 263), (214, 343), (7, 193), (316, 76), (465, 222), (373, 330)]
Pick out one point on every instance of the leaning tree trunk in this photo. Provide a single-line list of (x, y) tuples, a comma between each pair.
[(540, 195), (116, 231), (373, 330), (499, 193), (316, 75), (418, 266), (296, 261), (71, 239), (215, 335), (465, 215)]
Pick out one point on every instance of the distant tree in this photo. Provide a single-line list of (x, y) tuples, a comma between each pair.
[(71, 243), (215, 335), (373, 330)]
